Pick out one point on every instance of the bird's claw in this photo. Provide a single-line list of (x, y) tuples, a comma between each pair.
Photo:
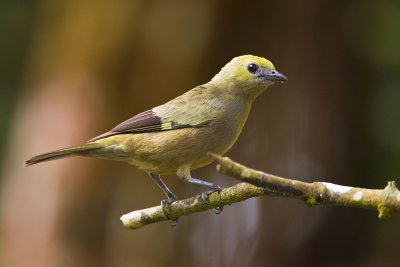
[(219, 210), (174, 222), (213, 188), (164, 204), (205, 195)]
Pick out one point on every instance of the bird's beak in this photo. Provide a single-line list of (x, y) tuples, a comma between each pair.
[(274, 75)]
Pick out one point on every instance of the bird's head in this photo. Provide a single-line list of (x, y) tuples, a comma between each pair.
[(248, 75)]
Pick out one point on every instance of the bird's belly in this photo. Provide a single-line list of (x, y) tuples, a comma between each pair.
[(164, 152)]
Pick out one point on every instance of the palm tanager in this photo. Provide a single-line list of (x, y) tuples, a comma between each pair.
[(174, 138)]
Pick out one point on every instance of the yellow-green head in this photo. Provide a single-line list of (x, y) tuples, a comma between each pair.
[(248, 75)]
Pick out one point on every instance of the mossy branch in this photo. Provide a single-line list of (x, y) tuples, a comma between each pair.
[(386, 201)]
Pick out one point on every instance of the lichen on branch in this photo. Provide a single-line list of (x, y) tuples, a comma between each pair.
[(256, 183)]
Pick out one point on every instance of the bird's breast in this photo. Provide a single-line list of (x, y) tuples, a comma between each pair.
[(229, 126)]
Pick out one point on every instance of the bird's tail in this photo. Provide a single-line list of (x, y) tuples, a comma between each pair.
[(62, 153)]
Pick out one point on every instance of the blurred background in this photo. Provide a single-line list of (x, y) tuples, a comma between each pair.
[(71, 70)]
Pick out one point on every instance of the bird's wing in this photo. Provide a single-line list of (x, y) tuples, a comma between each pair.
[(190, 110)]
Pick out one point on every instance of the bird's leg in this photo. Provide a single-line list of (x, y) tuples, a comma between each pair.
[(212, 188), (170, 196), (183, 173)]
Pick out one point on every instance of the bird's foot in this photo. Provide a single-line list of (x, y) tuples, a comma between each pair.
[(213, 188), (164, 204), (219, 210), (206, 194)]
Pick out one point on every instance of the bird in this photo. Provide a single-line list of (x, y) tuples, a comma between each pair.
[(175, 137)]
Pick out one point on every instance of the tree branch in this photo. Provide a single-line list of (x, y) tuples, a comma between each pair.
[(386, 201)]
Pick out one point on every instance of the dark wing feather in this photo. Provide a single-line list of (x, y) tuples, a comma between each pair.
[(139, 123), (144, 122)]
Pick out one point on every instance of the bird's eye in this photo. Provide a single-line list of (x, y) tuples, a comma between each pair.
[(253, 68)]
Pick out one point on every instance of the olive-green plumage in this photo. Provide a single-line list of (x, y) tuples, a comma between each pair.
[(175, 137)]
